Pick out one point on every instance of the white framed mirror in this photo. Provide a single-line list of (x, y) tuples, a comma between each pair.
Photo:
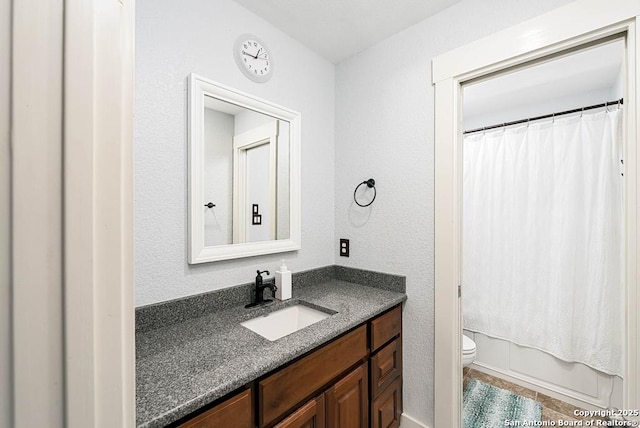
[(244, 174)]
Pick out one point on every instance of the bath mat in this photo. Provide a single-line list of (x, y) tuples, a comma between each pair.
[(485, 406)]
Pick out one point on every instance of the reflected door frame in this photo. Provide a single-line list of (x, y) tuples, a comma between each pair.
[(557, 32), (265, 134)]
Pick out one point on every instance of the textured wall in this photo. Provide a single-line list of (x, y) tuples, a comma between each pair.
[(218, 177), (173, 39), (384, 129)]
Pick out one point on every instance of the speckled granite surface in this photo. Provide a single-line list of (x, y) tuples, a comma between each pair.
[(180, 310), (386, 281), (183, 366)]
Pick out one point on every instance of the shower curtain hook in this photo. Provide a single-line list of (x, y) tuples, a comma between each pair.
[(581, 112), (553, 118), (618, 104), (606, 106)]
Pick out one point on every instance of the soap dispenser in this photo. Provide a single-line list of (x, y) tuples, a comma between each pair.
[(283, 282)]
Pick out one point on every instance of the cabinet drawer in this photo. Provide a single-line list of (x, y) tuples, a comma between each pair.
[(236, 412), (386, 366), (385, 327), (281, 391), (387, 408)]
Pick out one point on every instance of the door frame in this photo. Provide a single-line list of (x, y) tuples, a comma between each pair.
[(264, 134), (573, 25), (97, 198), (72, 310)]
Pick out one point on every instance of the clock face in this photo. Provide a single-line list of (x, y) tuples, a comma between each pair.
[(253, 58)]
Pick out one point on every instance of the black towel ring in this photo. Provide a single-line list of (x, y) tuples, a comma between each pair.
[(370, 183)]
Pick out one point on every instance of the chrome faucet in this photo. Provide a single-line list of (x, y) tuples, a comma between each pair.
[(260, 286)]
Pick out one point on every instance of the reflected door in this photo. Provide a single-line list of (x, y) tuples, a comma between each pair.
[(255, 165)]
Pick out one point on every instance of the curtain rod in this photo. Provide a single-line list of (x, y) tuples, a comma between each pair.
[(575, 110)]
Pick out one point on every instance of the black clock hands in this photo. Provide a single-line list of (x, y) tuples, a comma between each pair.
[(255, 57), (248, 54)]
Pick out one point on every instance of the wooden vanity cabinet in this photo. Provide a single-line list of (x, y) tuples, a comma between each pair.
[(344, 405), (348, 401), (386, 366), (369, 395), (282, 391), (354, 381), (386, 408), (236, 412), (311, 415), (385, 327), (386, 369)]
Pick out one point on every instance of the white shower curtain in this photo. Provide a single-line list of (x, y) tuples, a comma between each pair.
[(542, 232)]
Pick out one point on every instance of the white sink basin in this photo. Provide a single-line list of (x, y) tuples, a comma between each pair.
[(285, 321)]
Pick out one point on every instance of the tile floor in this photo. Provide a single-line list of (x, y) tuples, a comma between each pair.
[(552, 409)]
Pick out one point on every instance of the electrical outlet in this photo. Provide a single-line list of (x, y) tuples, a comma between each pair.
[(344, 247)]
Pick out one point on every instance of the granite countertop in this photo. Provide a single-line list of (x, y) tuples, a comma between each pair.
[(184, 366)]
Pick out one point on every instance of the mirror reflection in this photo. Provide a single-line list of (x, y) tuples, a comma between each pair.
[(246, 175)]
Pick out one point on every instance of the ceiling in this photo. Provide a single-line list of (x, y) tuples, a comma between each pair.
[(586, 77), (338, 29)]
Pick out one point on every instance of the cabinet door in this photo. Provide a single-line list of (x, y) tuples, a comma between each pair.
[(348, 401), (285, 389), (236, 412), (311, 415), (387, 408)]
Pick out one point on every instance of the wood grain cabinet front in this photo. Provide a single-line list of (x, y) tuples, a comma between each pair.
[(387, 408), (385, 327), (348, 401), (344, 405), (386, 366), (284, 390), (311, 415), (236, 412)]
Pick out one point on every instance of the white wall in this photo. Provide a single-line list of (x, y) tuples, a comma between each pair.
[(384, 130), (5, 319), (218, 177), (173, 39), (247, 119)]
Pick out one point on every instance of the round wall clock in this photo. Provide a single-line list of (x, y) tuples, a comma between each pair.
[(253, 58)]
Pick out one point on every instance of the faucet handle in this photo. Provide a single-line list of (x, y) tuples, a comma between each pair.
[(259, 276)]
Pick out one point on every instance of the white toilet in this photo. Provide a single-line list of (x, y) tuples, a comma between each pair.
[(468, 350)]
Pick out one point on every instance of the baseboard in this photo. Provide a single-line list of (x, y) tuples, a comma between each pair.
[(407, 421), (572, 397)]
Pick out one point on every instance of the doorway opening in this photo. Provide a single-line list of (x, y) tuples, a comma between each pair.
[(542, 255), (552, 35)]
